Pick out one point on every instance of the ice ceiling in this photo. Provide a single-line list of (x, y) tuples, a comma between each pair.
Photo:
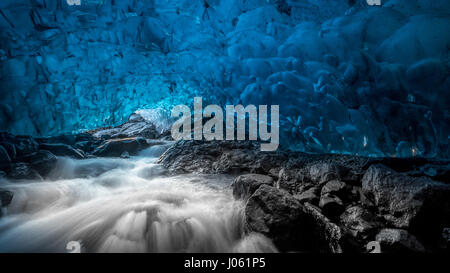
[(349, 78)]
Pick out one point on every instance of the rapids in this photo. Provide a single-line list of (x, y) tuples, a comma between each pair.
[(125, 205)]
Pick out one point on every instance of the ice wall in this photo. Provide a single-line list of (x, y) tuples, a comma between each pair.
[(349, 78)]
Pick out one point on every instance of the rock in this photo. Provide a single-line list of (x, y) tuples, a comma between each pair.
[(232, 157), (291, 180), (277, 215), (125, 155), (245, 185), (10, 149), (398, 240), (138, 129), (84, 146), (23, 170), (326, 236), (311, 195), (334, 187), (105, 133), (42, 161), (331, 205), (115, 147), (417, 204), (67, 139), (323, 172), (359, 222), (291, 225), (6, 198), (60, 149), (4, 157), (445, 239), (25, 145), (136, 126)]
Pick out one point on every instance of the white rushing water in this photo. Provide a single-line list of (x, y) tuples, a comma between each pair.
[(125, 205)]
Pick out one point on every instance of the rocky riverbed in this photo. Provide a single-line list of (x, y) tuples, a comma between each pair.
[(302, 202)]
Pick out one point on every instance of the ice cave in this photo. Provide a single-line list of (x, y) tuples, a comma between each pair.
[(86, 93)]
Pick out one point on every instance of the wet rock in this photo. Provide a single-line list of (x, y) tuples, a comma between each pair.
[(65, 139), (360, 222), (334, 187), (85, 146), (4, 157), (276, 215), (125, 155), (42, 161), (445, 239), (398, 240), (323, 172), (138, 129), (312, 195), (245, 185), (115, 147), (23, 170), (326, 236), (10, 149), (331, 205), (25, 145), (235, 157), (291, 225), (136, 126), (291, 180), (6, 198), (420, 205), (60, 149)]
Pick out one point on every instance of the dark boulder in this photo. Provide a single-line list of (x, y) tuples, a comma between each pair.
[(420, 205), (334, 187), (311, 195), (323, 172), (245, 185), (23, 170), (331, 205), (60, 149), (42, 161), (5, 160), (85, 146), (10, 149), (277, 215), (115, 147), (67, 139), (136, 126), (25, 145), (360, 223), (325, 236), (445, 240), (398, 240), (291, 225), (292, 179), (6, 198)]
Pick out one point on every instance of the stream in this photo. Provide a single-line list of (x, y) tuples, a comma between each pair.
[(125, 205)]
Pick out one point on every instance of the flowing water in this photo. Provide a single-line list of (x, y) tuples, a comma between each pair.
[(125, 205)]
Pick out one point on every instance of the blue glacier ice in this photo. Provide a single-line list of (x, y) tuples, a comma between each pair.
[(349, 77)]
